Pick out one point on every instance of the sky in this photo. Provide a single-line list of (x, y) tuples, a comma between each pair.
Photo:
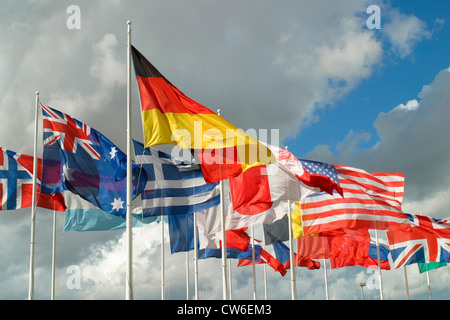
[(311, 74)]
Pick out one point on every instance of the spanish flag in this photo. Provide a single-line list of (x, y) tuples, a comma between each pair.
[(170, 117)]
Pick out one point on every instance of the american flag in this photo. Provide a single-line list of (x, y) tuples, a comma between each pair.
[(428, 241), (370, 201)]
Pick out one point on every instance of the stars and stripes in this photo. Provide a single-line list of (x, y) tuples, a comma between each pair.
[(370, 201)]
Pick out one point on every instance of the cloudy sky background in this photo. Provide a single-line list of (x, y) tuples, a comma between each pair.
[(337, 92)]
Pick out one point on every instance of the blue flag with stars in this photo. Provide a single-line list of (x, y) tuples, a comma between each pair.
[(80, 159)]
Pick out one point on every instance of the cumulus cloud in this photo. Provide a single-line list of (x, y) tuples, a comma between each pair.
[(407, 142), (404, 32)]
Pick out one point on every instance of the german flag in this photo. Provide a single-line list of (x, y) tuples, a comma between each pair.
[(170, 117)]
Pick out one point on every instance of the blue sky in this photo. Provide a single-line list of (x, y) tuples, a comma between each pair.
[(394, 81), (336, 91)]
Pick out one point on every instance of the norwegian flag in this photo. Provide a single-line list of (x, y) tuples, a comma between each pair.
[(16, 183), (428, 241)]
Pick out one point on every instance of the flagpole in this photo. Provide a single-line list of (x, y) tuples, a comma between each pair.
[(428, 284), (187, 274), (129, 230), (291, 255), (379, 266), (52, 293), (224, 241), (326, 278), (291, 251), (406, 282), (33, 205), (253, 263), (230, 280), (265, 272), (163, 295), (195, 256)]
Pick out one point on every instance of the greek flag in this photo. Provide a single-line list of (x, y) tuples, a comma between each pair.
[(174, 186)]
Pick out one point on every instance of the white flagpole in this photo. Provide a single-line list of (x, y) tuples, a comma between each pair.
[(253, 263), (379, 266), (326, 278), (163, 295), (129, 230), (33, 204), (224, 241), (406, 282), (52, 293), (428, 284), (265, 271), (195, 256), (224, 245), (230, 280), (187, 274), (291, 254)]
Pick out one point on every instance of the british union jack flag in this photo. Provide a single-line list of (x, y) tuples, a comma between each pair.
[(428, 241)]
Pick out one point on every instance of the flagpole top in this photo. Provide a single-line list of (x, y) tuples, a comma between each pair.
[(37, 93), (129, 22)]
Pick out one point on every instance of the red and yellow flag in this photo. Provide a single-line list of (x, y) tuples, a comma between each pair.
[(170, 117)]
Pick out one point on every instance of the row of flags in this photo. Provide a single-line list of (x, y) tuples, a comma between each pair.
[(332, 207)]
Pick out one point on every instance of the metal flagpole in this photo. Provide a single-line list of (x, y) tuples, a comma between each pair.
[(291, 255), (406, 282), (326, 278), (163, 295), (428, 284), (187, 274), (33, 205), (195, 256), (224, 241), (291, 252), (379, 266), (253, 263), (224, 245), (52, 293), (265, 272), (230, 280), (129, 230)]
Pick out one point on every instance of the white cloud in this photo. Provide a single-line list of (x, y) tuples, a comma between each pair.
[(412, 139), (404, 32)]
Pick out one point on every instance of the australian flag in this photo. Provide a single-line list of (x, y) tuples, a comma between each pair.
[(80, 159)]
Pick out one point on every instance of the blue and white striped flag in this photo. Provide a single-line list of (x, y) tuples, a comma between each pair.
[(173, 186)]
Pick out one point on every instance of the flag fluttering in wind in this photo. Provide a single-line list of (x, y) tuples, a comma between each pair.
[(170, 117), (173, 186), (16, 183), (358, 248), (428, 241), (278, 230), (370, 201), (80, 159)]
